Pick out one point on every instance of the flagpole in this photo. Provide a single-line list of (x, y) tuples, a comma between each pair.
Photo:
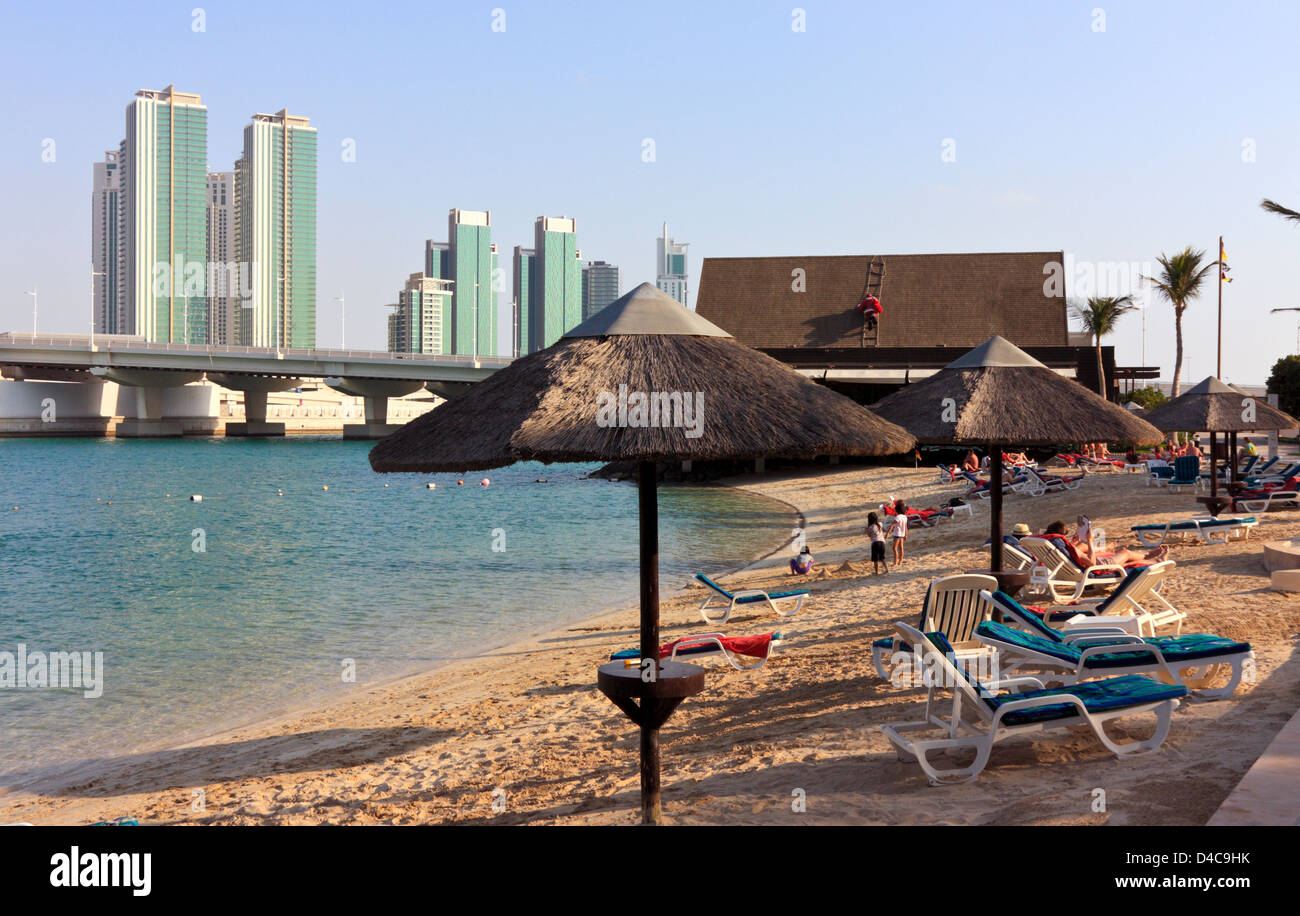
[(1218, 366)]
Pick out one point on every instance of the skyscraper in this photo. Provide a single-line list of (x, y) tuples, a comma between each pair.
[(223, 270), (470, 257), (104, 204), (420, 320), (276, 188), (163, 217), (525, 265), (601, 283), (555, 303), (670, 268)]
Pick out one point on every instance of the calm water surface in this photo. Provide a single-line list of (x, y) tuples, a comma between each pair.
[(293, 578)]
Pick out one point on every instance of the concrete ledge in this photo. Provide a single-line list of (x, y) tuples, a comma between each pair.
[(1266, 795), (254, 429), (369, 430), (149, 429)]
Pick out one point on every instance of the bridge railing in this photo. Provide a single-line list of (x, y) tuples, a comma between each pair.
[(119, 343)]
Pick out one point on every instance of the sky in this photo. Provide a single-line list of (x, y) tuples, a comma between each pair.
[(1113, 132)]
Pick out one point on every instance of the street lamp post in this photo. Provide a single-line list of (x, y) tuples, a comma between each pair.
[(32, 292), (343, 322)]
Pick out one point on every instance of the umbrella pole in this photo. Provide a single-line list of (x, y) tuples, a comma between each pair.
[(648, 510), (1214, 464), (995, 506)]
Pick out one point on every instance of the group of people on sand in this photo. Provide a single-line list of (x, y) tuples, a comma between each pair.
[(1171, 448), (1081, 547), (1097, 451)]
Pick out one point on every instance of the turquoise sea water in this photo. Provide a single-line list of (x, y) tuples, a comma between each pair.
[(294, 578)]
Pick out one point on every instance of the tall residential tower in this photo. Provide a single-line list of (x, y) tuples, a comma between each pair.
[(223, 265), (104, 212), (555, 300), (163, 231), (601, 283), (276, 189)]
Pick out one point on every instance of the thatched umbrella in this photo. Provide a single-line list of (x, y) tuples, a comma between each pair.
[(1214, 407), (643, 380), (998, 395)]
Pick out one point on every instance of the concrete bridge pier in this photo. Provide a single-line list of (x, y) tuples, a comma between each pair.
[(376, 393), (149, 385), (255, 389)]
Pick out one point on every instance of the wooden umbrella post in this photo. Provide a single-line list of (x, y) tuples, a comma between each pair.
[(1214, 464), (648, 509), (995, 505)]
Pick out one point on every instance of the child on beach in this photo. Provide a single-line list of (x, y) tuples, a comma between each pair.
[(898, 530), (802, 564), (877, 535)]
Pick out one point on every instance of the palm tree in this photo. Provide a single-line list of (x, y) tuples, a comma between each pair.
[(1099, 315), (1274, 207), (1181, 276)]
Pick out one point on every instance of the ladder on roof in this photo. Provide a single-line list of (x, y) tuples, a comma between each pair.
[(875, 282)]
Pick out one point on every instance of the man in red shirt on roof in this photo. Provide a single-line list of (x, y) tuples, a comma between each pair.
[(871, 310)]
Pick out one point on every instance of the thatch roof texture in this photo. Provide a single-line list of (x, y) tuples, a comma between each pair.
[(1214, 407), (557, 404), (930, 300), (997, 393)]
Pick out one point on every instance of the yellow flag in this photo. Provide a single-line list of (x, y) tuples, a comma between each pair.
[(1223, 265)]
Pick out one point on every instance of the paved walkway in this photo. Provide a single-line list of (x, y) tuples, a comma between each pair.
[(1269, 793)]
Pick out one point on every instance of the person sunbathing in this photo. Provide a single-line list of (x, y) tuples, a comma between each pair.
[(1085, 555), (970, 462)]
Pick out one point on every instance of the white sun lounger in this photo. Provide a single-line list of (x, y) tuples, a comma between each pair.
[(1066, 579), (997, 716), (775, 600), (1078, 655), (1208, 530), (952, 605)]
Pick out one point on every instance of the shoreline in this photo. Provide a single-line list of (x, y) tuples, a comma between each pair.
[(57, 776), (525, 720)]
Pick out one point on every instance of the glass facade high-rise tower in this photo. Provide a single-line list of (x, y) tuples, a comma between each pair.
[(470, 258), (525, 265), (555, 301), (275, 185), (670, 268), (420, 320), (105, 201), (163, 217), (601, 283), (223, 269)]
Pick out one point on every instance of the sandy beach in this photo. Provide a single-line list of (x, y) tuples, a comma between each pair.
[(520, 734)]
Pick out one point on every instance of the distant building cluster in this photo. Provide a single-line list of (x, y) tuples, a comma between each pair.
[(183, 255), (552, 291)]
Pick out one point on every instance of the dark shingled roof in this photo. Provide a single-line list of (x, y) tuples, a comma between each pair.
[(930, 300)]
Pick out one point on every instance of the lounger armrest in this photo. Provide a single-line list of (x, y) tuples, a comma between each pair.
[(1070, 637), (1104, 567), (1021, 681)]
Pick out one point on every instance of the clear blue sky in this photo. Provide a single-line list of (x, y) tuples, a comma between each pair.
[(1111, 145)]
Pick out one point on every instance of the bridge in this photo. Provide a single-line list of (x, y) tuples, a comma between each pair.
[(151, 368)]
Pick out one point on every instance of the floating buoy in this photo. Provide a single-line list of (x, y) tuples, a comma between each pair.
[(15, 509), (169, 496), (460, 483), (484, 482), (427, 486), (541, 480), (196, 498), (385, 485), (325, 487)]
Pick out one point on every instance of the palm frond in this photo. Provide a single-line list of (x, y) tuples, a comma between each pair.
[(1276, 208)]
